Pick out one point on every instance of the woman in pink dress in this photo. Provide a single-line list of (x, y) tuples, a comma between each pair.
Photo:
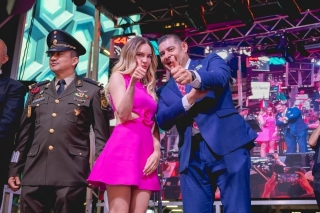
[(269, 135), (127, 167)]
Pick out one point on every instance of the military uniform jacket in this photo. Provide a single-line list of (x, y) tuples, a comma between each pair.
[(53, 146)]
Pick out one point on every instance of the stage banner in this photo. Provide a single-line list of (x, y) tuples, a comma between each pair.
[(260, 90)]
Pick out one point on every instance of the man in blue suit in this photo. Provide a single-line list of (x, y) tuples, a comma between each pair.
[(11, 105), (294, 129), (214, 140)]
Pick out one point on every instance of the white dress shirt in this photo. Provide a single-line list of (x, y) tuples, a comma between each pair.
[(195, 84)]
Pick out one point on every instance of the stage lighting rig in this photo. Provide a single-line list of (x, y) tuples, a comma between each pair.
[(302, 50), (242, 10), (195, 14), (286, 48), (290, 8)]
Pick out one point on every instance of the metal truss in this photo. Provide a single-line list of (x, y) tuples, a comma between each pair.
[(262, 34), (155, 16)]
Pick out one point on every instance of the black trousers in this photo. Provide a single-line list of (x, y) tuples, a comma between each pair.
[(43, 199)]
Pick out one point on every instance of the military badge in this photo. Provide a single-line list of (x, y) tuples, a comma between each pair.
[(104, 102), (198, 67), (35, 90), (76, 112), (82, 91), (81, 95), (79, 82), (38, 99), (79, 100)]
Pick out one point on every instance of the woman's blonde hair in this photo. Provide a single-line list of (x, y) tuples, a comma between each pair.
[(127, 64)]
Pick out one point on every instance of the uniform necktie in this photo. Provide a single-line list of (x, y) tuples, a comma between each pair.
[(182, 89), (61, 84)]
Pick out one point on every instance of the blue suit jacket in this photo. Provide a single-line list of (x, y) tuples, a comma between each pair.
[(12, 95), (295, 123), (219, 122)]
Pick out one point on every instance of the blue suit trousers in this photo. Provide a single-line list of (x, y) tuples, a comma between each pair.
[(293, 138), (207, 171)]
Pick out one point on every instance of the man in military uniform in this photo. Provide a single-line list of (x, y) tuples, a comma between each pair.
[(53, 147)]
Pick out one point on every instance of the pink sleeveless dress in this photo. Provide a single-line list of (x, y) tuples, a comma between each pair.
[(126, 152), (267, 130)]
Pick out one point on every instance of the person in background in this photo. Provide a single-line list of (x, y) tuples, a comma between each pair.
[(294, 129), (315, 98), (12, 95), (127, 167), (53, 143), (269, 135), (214, 140)]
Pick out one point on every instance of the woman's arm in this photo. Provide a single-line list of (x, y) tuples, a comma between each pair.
[(122, 97), (153, 160), (261, 120)]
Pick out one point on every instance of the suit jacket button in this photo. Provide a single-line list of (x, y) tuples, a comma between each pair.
[(54, 114), (80, 153), (50, 147), (51, 130), (57, 101)]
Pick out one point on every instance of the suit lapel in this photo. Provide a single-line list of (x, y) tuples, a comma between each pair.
[(51, 89), (193, 64), (173, 86)]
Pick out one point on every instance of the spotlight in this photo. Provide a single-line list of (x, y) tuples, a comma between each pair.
[(286, 48), (290, 7), (79, 2), (288, 53), (283, 42), (195, 15), (242, 10)]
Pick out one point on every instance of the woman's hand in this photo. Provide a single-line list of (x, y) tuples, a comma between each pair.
[(152, 163)]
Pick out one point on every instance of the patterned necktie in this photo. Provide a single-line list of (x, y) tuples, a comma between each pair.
[(61, 84), (182, 89)]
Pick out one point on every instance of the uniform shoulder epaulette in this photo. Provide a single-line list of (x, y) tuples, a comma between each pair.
[(38, 84), (93, 82)]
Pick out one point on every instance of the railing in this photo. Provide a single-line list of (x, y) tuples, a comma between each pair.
[(279, 204)]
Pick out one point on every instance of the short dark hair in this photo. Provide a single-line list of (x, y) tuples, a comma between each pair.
[(74, 54), (279, 103), (175, 37)]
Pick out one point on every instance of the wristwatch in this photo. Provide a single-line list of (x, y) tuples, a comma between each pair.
[(193, 75)]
